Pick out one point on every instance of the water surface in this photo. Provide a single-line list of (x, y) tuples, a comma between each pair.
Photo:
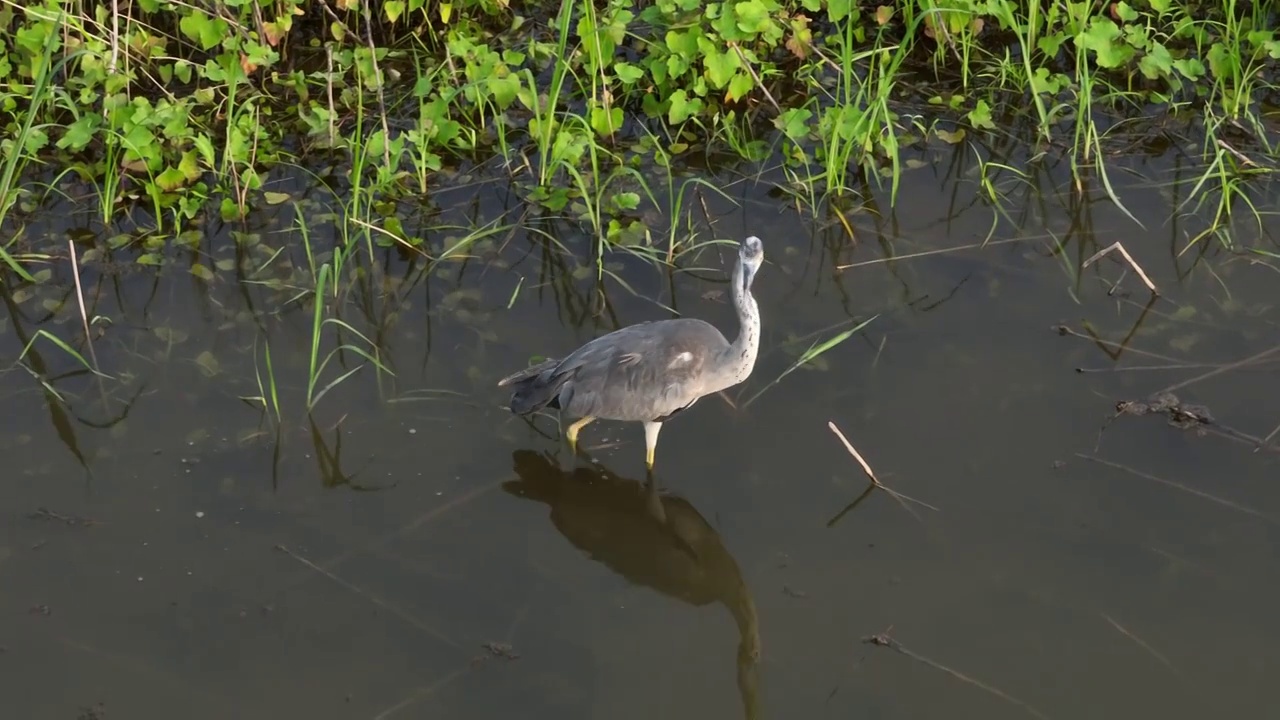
[(412, 550)]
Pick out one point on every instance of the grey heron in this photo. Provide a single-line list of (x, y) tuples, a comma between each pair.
[(650, 371)]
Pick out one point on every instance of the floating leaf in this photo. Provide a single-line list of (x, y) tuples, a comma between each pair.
[(202, 272), (208, 364), (171, 336), (275, 198), (980, 116), (950, 137)]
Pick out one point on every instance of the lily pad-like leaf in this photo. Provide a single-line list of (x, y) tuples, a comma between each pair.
[(208, 364)]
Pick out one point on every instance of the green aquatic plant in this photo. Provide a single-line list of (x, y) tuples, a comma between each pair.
[(169, 108)]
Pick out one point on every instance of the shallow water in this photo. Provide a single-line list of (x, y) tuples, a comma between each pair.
[(414, 551)]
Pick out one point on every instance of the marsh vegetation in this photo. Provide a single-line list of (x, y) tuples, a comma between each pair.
[(262, 263)]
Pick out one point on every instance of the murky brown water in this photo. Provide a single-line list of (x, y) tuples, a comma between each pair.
[(417, 552)]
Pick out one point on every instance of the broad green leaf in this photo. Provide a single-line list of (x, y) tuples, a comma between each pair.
[(1190, 68), (980, 116), (739, 86), (720, 66), (1221, 61), (627, 73), (682, 108), (1157, 62), (1103, 38), (684, 43), (171, 179), (79, 133), (794, 122), (606, 122), (752, 17), (504, 89), (627, 200), (203, 29)]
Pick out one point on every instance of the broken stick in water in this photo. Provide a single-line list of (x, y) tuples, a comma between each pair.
[(872, 476), (1116, 246), (884, 640)]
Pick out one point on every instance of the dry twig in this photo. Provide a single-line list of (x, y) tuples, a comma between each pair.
[(84, 315), (759, 83), (927, 253), (1141, 643), (1221, 369), (1198, 493), (884, 640), (1116, 246), (372, 598), (872, 476)]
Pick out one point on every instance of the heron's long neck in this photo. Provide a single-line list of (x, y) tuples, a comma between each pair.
[(740, 357)]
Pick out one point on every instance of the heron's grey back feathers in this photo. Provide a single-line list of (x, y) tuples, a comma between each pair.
[(649, 371), (642, 372)]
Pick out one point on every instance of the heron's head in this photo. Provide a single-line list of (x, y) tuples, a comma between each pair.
[(752, 254)]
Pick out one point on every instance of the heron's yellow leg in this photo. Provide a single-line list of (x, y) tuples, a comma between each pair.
[(651, 430), (572, 432)]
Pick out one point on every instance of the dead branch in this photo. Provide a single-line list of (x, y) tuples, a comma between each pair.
[(1116, 246), (884, 640)]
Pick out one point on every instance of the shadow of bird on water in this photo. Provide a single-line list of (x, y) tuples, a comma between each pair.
[(651, 538)]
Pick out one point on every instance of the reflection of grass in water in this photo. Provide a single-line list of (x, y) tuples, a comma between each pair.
[(61, 345)]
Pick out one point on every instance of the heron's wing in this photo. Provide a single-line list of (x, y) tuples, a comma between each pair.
[(642, 372)]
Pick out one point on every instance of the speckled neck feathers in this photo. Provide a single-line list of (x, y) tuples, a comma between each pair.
[(740, 357)]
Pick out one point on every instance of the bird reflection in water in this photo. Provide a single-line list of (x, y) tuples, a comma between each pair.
[(650, 538)]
